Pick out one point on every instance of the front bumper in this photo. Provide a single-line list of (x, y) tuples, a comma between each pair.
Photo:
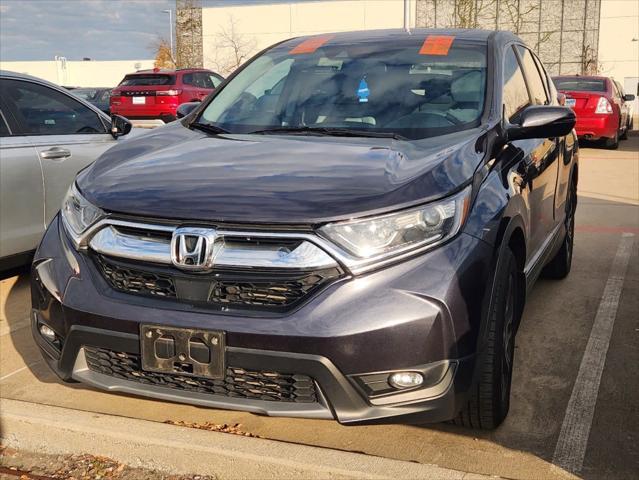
[(410, 316)]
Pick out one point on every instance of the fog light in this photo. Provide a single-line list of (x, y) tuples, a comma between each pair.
[(47, 333), (406, 379)]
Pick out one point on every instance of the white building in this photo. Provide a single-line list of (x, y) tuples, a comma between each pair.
[(619, 45), (94, 73)]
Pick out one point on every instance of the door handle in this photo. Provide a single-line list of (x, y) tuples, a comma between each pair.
[(55, 153)]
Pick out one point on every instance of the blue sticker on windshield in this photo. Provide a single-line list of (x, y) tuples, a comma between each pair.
[(362, 91)]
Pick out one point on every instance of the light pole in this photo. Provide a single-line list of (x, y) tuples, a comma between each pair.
[(170, 12), (407, 15)]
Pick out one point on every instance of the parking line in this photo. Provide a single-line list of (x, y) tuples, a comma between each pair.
[(575, 429), (18, 370)]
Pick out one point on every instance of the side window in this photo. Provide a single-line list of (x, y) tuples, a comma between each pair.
[(515, 95), (41, 110), (535, 82), (215, 81), (188, 79), (203, 80), (4, 129), (616, 91), (544, 77)]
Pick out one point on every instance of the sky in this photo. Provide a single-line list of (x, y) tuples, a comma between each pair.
[(97, 29)]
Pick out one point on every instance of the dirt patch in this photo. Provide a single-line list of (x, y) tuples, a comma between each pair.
[(235, 429), (24, 465)]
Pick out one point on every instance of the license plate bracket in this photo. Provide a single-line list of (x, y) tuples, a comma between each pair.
[(183, 351)]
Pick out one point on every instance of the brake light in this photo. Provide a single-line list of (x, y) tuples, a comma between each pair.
[(168, 92), (603, 106)]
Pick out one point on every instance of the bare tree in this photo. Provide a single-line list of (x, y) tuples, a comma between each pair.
[(470, 13), (163, 54), (232, 48), (517, 15), (589, 65)]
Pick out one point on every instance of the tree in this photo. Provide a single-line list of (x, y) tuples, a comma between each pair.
[(471, 13), (163, 55), (188, 33), (232, 48)]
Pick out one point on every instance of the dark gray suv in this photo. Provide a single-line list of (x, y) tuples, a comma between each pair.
[(346, 229)]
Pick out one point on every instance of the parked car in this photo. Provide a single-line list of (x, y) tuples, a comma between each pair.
[(601, 107), (151, 97), (99, 97), (47, 135), (348, 228), (627, 105)]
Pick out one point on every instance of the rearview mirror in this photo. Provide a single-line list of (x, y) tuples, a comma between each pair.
[(628, 97), (542, 121), (186, 108), (120, 126)]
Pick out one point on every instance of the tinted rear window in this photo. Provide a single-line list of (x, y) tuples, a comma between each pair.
[(580, 84), (147, 80)]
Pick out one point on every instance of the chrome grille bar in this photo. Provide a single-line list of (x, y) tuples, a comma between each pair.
[(115, 243)]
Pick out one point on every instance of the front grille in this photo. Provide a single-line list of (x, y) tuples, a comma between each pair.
[(224, 289), (137, 281), (238, 382), (274, 294)]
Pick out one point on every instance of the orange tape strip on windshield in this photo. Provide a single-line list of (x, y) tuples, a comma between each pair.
[(311, 44), (436, 45)]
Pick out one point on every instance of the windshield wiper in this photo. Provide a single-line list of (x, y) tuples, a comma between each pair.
[(208, 128), (329, 131)]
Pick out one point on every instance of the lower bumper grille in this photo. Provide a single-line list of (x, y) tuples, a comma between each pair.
[(238, 382)]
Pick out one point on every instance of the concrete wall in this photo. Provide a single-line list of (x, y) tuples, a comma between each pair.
[(93, 73), (618, 54), (259, 26)]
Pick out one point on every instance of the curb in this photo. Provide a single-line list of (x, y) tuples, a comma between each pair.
[(181, 450)]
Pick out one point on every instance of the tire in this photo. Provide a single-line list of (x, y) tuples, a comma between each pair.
[(489, 401), (624, 135), (559, 266), (612, 143)]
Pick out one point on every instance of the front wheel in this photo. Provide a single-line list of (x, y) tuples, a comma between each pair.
[(489, 401)]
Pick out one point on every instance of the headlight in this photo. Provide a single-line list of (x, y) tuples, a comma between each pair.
[(392, 234), (78, 214)]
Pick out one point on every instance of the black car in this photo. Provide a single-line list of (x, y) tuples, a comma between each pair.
[(346, 229), (99, 97)]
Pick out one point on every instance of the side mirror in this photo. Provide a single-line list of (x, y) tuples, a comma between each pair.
[(628, 97), (186, 108), (561, 98), (120, 126), (542, 121)]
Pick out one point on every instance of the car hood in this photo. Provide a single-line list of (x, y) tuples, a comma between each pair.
[(177, 173)]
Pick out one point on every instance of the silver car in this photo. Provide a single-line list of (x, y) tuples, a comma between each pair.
[(46, 136)]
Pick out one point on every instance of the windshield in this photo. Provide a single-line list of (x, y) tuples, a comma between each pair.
[(367, 87), (576, 84), (147, 80)]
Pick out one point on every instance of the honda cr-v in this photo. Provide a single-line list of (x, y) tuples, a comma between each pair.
[(346, 229)]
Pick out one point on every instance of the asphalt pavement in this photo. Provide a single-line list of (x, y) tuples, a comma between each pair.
[(575, 396)]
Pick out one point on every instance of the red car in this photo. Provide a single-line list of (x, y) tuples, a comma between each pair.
[(151, 97), (601, 108)]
